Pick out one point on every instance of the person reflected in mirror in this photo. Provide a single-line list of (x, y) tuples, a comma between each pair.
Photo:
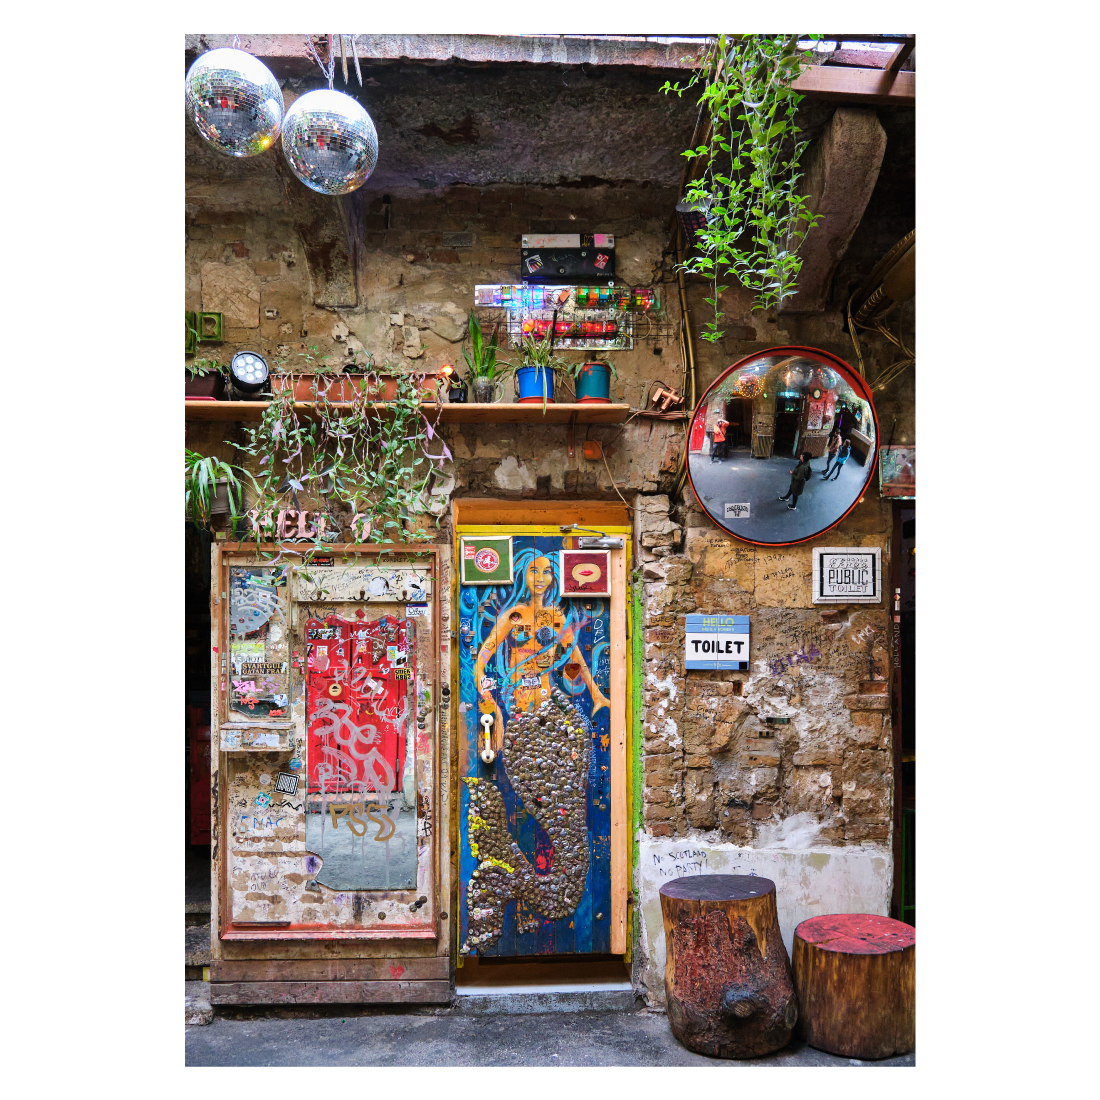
[(719, 449), (841, 458), (834, 448), (799, 476)]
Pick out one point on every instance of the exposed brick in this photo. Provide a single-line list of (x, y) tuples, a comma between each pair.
[(867, 702), (445, 256), (697, 761), (660, 829), (268, 268)]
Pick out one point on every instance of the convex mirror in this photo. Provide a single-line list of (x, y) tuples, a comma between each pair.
[(782, 445)]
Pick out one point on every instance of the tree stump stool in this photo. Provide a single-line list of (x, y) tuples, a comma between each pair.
[(855, 973), (728, 981)]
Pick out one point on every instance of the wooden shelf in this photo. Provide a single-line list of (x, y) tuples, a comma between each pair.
[(499, 413)]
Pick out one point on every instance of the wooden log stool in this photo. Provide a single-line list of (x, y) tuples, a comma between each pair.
[(855, 976), (728, 984)]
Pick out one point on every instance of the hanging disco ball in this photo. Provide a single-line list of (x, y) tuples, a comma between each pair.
[(234, 101), (330, 142)]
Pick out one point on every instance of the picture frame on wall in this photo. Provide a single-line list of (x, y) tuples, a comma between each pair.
[(847, 574), (485, 559), (585, 572)]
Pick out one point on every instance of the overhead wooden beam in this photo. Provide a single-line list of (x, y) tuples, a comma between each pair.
[(864, 86)]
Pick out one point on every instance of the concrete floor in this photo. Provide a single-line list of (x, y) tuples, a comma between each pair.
[(441, 1037), (740, 479)]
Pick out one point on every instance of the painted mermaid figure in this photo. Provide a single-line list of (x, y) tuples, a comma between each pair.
[(543, 745), (540, 640)]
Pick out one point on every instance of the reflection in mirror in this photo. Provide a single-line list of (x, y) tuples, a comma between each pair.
[(782, 445)]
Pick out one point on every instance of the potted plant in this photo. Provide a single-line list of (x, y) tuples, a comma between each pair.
[(341, 383), (204, 380), (211, 488), (535, 374), (591, 381), (485, 373)]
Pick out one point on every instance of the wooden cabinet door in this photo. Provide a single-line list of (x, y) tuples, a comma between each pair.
[(542, 658)]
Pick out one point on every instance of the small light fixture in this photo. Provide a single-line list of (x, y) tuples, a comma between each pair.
[(456, 388), (249, 373)]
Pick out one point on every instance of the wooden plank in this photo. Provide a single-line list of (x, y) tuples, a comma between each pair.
[(521, 513), (901, 55), (295, 993), (433, 968), (620, 822), (500, 413), (869, 86)]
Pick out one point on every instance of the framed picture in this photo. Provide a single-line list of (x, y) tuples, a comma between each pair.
[(485, 559), (585, 572), (897, 472), (847, 574)]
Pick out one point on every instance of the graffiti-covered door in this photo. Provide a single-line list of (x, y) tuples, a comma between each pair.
[(535, 766)]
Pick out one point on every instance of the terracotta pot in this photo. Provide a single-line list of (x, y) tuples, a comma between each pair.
[(383, 387)]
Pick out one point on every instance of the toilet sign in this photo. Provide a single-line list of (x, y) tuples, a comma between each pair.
[(847, 574), (717, 642)]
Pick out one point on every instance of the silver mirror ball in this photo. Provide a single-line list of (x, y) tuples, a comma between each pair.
[(234, 101), (330, 142)]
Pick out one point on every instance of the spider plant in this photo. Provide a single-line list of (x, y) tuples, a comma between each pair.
[(201, 476)]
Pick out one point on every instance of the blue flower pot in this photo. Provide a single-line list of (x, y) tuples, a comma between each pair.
[(594, 383), (530, 383)]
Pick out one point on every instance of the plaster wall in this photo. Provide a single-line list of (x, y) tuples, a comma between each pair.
[(808, 882)]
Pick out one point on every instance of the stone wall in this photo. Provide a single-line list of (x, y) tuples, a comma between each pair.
[(391, 273)]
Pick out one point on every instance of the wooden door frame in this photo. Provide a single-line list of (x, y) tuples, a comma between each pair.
[(545, 517), (220, 904)]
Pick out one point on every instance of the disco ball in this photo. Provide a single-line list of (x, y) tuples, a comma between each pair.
[(330, 142), (234, 101)]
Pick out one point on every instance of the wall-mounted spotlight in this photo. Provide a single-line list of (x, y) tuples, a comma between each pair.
[(248, 375)]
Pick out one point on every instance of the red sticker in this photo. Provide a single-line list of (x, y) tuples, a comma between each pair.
[(487, 559)]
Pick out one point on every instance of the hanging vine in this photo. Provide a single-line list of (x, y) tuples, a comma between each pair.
[(372, 471), (748, 169)]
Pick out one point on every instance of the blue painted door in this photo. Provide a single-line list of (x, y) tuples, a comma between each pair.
[(535, 857)]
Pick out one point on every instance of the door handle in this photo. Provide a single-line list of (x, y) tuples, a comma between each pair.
[(487, 754)]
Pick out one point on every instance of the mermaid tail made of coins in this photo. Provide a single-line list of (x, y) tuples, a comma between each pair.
[(546, 754)]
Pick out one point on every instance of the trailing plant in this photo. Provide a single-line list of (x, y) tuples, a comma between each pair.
[(481, 356), (370, 470), (756, 220), (200, 482)]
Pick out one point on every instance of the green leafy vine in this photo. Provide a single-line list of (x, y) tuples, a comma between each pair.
[(748, 171), (370, 468)]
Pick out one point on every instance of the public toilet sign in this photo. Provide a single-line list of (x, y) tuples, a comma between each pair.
[(847, 574), (717, 642)]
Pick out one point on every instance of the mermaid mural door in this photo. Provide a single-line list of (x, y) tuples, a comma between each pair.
[(541, 751)]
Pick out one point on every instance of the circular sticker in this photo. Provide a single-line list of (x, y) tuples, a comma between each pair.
[(487, 559)]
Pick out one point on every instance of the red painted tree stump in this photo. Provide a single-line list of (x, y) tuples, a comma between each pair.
[(728, 982), (855, 975)]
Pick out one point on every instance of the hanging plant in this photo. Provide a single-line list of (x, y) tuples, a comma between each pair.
[(755, 220), (371, 472)]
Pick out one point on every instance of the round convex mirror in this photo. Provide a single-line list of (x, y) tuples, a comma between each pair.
[(782, 445)]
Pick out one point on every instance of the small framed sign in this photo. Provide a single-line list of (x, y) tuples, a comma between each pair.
[(717, 642), (485, 559), (585, 572), (847, 574)]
